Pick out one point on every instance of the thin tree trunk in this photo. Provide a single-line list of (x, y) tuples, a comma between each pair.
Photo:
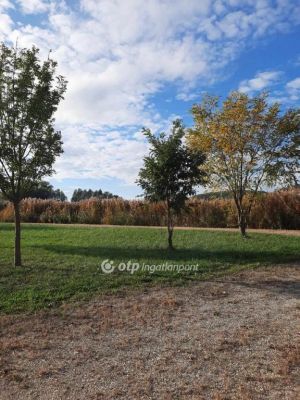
[(242, 220), (170, 238), (242, 224), (170, 229), (18, 262)]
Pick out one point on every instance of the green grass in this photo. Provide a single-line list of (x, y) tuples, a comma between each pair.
[(63, 263)]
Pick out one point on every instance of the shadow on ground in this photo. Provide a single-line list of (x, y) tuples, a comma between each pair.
[(197, 254), (279, 286)]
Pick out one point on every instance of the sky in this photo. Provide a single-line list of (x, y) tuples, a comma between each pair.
[(136, 63)]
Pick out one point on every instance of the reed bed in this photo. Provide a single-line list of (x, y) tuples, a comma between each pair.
[(277, 210)]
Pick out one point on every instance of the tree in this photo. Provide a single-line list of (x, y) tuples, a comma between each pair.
[(30, 92), (44, 190), (171, 172), (84, 194), (249, 145)]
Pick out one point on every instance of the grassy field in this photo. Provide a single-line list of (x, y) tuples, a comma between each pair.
[(62, 263)]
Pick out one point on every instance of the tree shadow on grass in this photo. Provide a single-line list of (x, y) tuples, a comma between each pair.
[(179, 255)]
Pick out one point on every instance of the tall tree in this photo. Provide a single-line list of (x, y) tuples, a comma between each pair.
[(248, 143), (171, 172), (30, 92), (44, 190)]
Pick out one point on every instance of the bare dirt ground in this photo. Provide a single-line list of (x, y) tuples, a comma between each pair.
[(233, 338)]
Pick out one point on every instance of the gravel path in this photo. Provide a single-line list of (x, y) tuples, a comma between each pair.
[(231, 338)]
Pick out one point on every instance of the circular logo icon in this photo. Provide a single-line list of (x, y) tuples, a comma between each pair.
[(107, 266)]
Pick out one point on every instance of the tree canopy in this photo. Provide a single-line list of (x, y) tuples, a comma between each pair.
[(44, 190), (249, 144)]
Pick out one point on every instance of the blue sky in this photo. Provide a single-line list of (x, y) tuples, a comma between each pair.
[(132, 63)]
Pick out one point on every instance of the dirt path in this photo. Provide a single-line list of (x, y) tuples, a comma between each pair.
[(269, 231), (235, 338)]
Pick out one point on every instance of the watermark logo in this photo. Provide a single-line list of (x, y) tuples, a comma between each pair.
[(108, 267)]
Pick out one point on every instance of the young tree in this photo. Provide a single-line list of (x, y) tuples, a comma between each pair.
[(170, 172), (248, 144), (30, 92)]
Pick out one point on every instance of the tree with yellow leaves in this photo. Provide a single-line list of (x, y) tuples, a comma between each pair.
[(249, 145)]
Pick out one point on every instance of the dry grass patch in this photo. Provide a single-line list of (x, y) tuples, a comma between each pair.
[(235, 338)]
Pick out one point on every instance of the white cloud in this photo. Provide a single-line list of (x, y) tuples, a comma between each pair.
[(187, 96), (294, 84), (5, 4), (262, 80), (282, 92), (94, 154), (6, 24), (293, 89), (33, 6), (117, 92)]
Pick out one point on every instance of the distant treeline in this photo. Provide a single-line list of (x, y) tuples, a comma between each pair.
[(82, 194), (277, 210), (45, 191)]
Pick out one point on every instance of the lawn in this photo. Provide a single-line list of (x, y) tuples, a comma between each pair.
[(63, 262)]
